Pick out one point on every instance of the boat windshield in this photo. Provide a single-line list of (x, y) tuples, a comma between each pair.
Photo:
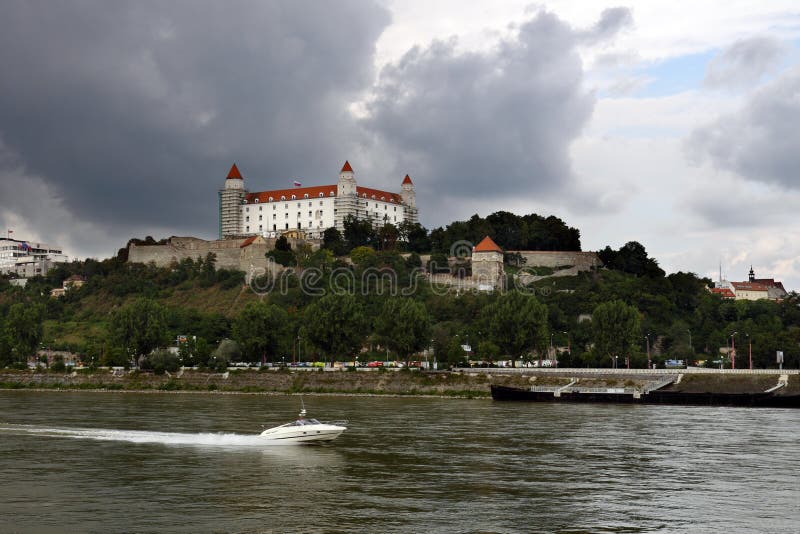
[(303, 422)]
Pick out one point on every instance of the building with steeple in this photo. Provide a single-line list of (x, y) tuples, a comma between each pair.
[(310, 210)]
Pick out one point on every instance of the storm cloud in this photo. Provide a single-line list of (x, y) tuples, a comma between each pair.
[(130, 113), (758, 142), (492, 124)]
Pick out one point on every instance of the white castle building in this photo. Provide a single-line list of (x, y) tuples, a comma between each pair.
[(311, 210)]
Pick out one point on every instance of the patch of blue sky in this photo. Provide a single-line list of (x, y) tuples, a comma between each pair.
[(674, 75)]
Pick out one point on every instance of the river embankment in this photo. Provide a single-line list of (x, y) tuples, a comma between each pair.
[(464, 383)]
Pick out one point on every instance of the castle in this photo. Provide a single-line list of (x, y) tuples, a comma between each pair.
[(309, 211)]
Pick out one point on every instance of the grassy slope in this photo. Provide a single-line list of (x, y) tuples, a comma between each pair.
[(89, 319)]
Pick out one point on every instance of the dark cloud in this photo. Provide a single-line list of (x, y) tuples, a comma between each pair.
[(131, 112), (612, 21), (743, 63), (760, 141), (491, 124)]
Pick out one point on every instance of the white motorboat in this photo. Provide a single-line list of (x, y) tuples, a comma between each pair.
[(305, 430)]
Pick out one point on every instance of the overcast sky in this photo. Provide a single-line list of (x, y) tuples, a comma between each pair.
[(671, 123)]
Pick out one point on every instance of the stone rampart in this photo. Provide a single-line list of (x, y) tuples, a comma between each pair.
[(583, 261)]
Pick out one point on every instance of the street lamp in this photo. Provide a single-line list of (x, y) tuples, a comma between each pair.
[(750, 350), (647, 337), (733, 350)]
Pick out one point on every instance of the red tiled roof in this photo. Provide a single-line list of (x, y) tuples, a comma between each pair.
[(234, 173), (487, 245), (248, 241), (407, 180), (748, 286), (378, 194), (769, 282), (347, 167), (724, 292), (299, 193)]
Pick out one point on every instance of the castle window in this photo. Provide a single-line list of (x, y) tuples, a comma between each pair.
[(294, 197), (274, 215), (285, 206), (274, 227), (364, 195), (273, 207), (247, 210), (395, 208), (283, 197), (298, 214), (309, 214), (260, 228), (260, 208), (373, 198), (320, 203), (247, 219), (256, 201), (260, 217), (285, 215), (332, 193), (248, 229), (305, 196), (383, 198), (270, 199), (287, 226)]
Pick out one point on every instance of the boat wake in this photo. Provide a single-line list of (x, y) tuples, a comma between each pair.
[(145, 436)]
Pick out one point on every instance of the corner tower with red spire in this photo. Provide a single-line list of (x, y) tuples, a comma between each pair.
[(409, 199), (231, 197)]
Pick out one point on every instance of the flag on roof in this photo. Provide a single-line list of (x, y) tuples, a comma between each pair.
[(297, 184)]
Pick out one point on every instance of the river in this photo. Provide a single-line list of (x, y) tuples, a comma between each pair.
[(101, 462)]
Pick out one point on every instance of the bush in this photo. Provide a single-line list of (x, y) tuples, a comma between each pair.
[(159, 362)]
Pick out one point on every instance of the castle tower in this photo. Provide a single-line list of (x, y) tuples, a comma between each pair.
[(347, 196), (409, 199), (487, 263), (752, 274), (231, 197), (347, 181)]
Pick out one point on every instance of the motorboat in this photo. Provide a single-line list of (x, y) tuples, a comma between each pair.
[(305, 430)]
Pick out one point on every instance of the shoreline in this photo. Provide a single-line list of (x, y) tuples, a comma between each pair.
[(459, 384)]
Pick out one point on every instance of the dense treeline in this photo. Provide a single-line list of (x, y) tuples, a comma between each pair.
[(327, 308)]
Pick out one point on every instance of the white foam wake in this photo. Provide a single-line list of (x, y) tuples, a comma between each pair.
[(144, 436)]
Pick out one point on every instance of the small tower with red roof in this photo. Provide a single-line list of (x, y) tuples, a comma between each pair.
[(487, 264), (231, 197)]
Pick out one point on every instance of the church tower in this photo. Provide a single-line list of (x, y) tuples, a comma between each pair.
[(231, 197), (409, 199), (752, 275)]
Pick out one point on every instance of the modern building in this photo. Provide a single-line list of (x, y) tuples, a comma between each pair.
[(27, 259), (311, 210)]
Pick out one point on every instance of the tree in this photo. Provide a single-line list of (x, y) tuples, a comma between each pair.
[(282, 253), (332, 240), (414, 237), (139, 327), (516, 323), (359, 233), (336, 324), (261, 331), (23, 330), (616, 329), (387, 237), (361, 255), (404, 327)]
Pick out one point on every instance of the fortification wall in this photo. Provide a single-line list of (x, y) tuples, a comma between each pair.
[(230, 252), (583, 261)]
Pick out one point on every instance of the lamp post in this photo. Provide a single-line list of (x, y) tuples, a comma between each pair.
[(550, 354), (750, 350), (647, 337), (733, 350)]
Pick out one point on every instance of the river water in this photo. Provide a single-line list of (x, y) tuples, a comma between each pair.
[(111, 462)]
